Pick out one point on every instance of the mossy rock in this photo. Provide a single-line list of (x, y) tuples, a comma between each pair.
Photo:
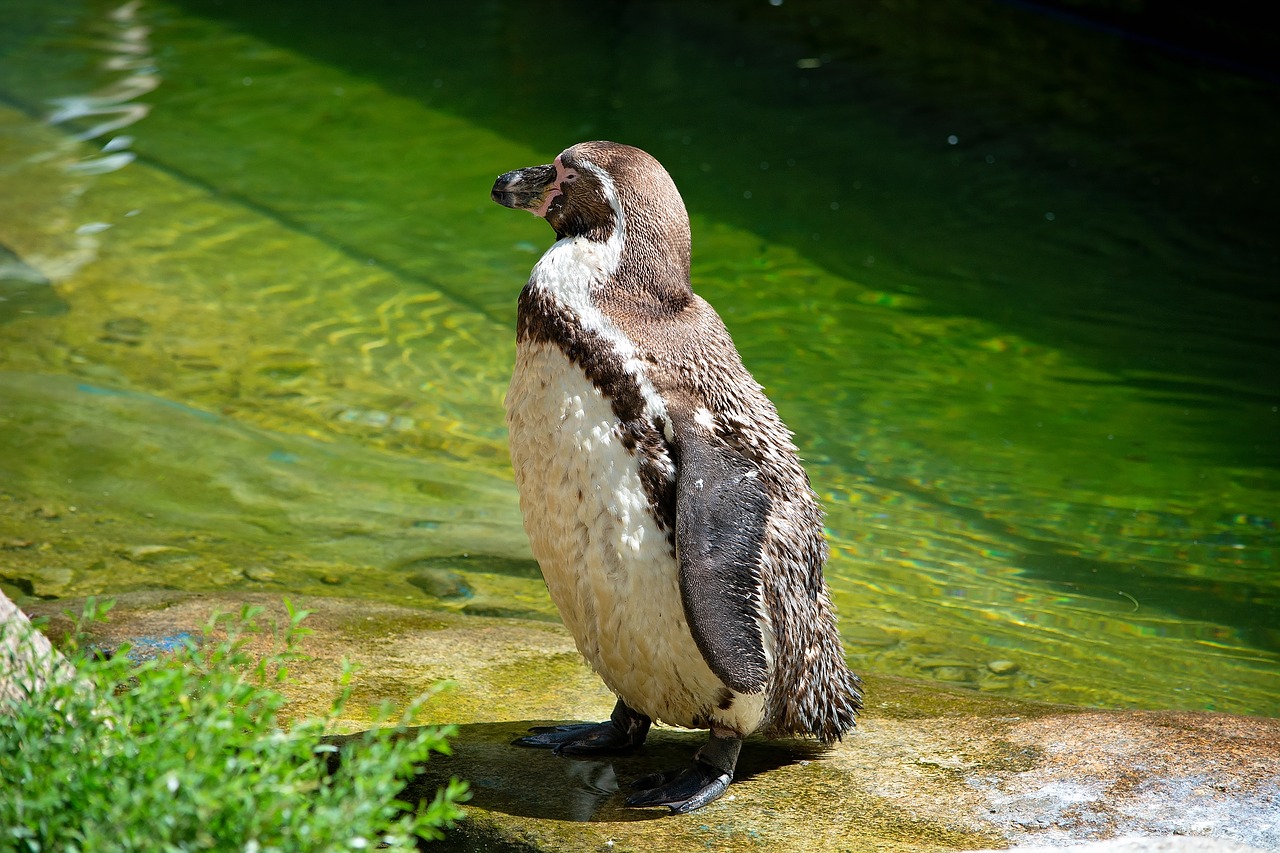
[(929, 768)]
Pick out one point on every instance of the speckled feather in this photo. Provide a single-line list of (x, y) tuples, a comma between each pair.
[(620, 367)]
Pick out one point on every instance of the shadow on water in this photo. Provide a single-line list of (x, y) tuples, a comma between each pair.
[(1252, 606), (1053, 178)]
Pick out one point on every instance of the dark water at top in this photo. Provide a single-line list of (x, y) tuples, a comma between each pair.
[(1011, 278)]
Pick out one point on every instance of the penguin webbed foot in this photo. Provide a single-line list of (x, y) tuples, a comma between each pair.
[(682, 791), (691, 788), (580, 739), (624, 730)]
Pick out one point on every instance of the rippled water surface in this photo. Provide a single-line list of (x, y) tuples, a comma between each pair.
[(1010, 279)]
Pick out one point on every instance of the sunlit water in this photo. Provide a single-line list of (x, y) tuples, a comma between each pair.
[(1013, 288)]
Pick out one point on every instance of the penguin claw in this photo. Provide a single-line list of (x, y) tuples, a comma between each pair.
[(682, 791), (579, 739)]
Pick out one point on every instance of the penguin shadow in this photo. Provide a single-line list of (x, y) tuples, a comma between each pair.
[(528, 782)]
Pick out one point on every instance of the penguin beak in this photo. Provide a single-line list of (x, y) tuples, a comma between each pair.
[(530, 189)]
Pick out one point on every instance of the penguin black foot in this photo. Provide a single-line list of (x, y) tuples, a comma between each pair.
[(682, 791), (625, 729)]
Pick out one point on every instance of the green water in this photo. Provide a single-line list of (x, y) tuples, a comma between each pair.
[(1010, 280)]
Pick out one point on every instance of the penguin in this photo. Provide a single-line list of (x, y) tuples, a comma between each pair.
[(663, 497)]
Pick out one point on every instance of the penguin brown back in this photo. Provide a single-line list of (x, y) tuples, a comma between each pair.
[(663, 496)]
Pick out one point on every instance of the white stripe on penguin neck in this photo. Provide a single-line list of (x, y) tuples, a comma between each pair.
[(574, 269), (575, 266)]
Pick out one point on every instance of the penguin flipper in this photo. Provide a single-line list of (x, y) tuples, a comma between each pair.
[(722, 510)]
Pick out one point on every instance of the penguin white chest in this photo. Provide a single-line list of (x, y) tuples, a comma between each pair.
[(609, 567)]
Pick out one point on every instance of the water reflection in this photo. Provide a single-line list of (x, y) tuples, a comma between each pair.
[(1020, 426), (128, 47)]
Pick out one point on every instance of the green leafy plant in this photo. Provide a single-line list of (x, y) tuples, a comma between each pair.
[(187, 751)]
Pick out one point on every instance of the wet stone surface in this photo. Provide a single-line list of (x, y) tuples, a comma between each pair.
[(930, 768)]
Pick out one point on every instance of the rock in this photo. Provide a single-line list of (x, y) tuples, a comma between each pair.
[(125, 330), (931, 768), (155, 553), (472, 563), (1163, 844), (955, 674), (1002, 667), (27, 661), (441, 583), (259, 574)]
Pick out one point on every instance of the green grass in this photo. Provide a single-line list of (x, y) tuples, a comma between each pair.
[(186, 751)]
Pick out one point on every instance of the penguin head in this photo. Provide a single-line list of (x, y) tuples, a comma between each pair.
[(604, 191)]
